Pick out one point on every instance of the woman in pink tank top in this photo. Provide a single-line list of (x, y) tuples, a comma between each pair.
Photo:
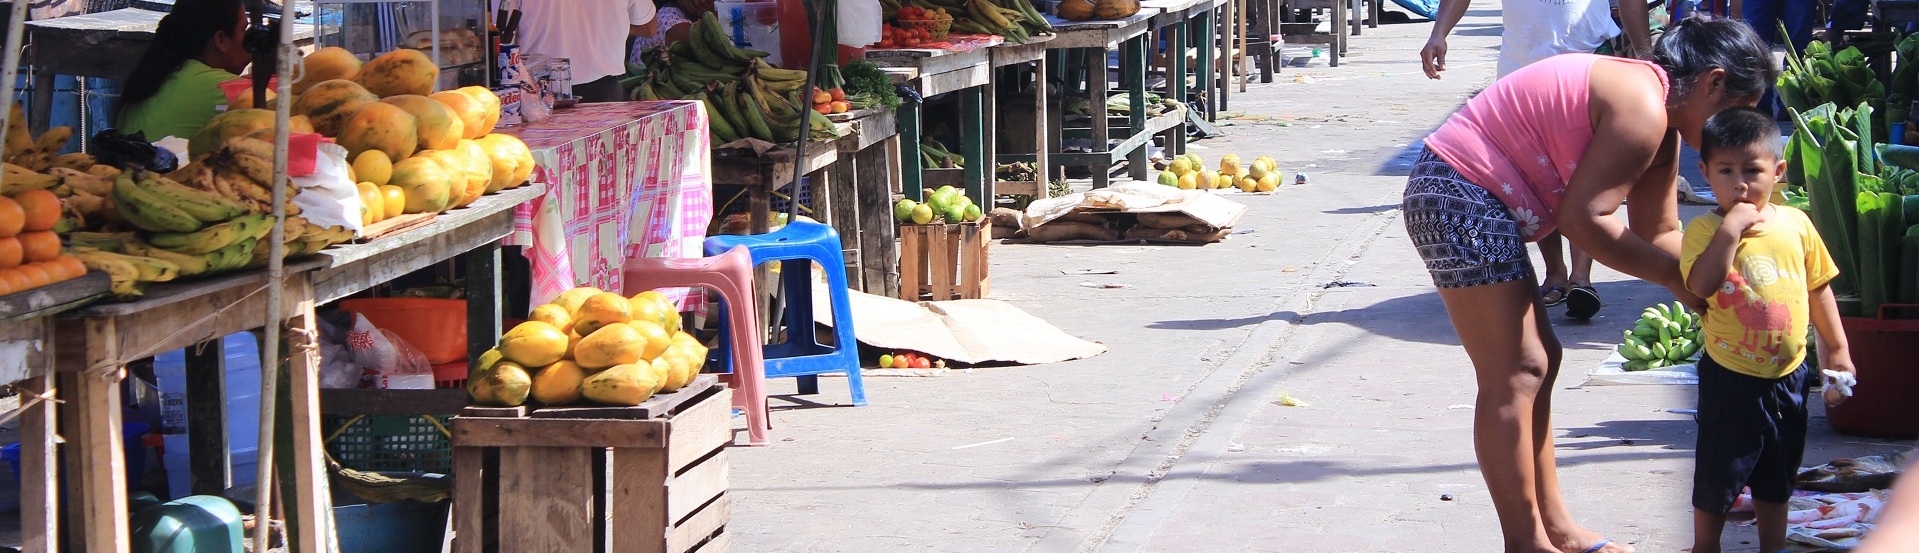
[(1561, 144)]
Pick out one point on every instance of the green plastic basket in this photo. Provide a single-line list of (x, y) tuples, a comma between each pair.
[(384, 443)]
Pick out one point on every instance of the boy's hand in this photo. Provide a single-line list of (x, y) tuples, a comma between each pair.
[(1840, 377), (1742, 217)]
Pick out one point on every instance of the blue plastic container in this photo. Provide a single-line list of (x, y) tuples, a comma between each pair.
[(404, 527), (195, 524), (136, 455)]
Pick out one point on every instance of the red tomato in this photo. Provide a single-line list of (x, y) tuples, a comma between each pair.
[(902, 362), (823, 109), (839, 95), (922, 363)]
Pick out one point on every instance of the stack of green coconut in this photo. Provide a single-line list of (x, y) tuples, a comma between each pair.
[(946, 204)]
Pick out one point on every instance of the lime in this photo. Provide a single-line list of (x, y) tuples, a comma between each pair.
[(903, 211), (922, 214), (973, 213), (1169, 178)]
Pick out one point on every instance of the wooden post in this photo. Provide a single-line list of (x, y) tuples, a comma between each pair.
[(211, 469), (1098, 85), (483, 298), (909, 148), (979, 166), (1174, 137), (879, 249), (990, 111), (311, 501), (1042, 140), (39, 469), (1202, 35), (1132, 56), (844, 205), (102, 465)]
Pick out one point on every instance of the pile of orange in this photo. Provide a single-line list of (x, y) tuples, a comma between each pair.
[(29, 250)]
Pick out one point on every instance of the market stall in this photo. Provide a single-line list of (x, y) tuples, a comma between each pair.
[(1015, 60), (963, 69), (1084, 47)]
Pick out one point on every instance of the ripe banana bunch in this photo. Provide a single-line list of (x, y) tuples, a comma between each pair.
[(127, 273), (31, 152), (1665, 335)]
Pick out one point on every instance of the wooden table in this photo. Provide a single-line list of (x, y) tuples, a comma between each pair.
[(1085, 45), (1006, 55), (762, 174), (97, 342), (933, 72), (858, 199), (26, 359)]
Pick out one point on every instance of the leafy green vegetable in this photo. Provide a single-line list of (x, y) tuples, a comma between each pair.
[(862, 78)]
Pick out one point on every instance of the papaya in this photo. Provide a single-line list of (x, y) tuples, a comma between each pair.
[(479, 166), (623, 384), (1115, 9), (329, 103), (1075, 10), (613, 344), (235, 122), (323, 65), (439, 128), (459, 188), (425, 184), (506, 147), (398, 72), (382, 127), (490, 104), (558, 383), (506, 384), (245, 101), (471, 112), (599, 310)]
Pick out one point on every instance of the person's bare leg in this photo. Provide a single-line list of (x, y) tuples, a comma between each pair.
[(1565, 534), (1552, 248), (1582, 267), (1706, 528), (1498, 325), (1772, 525)]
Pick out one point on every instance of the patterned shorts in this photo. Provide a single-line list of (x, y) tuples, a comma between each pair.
[(1464, 233)]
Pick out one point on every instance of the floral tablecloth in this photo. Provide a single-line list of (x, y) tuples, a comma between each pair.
[(624, 179)]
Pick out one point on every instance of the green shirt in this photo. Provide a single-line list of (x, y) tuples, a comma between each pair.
[(189, 98)]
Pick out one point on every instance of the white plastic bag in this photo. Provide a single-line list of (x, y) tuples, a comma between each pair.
[(393, 363), (859, 22), (327, 197), (337, 369)]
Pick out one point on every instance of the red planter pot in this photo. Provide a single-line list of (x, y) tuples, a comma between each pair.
[(1886, 353)]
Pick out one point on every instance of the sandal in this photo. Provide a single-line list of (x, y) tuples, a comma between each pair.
[(1603, 542), (1582, 302), (1552, 295)]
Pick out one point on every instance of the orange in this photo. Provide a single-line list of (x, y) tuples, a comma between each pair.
[(5, 288), (36, 276), (15, 279), (42, 209), (69, 266), (11, 217), (38, 246), (55, 272), (10, 255)]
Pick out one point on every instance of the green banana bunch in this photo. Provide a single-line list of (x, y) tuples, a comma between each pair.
[(1664, 335), (213, 238), (147, 211)]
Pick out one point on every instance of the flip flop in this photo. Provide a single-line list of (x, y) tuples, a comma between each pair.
[(1603, 542), (1582, 302), (1545, 291)]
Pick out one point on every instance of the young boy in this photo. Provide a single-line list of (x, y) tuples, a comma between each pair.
[(1763, 270)]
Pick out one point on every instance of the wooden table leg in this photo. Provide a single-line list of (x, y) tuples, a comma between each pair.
[(484, 292), (973, 130), (990, 113), (1043, 122), (208, 452), (909, 134), (1097, 86), (311, 501), (1201, 32), (844, 204), (1054, 129), (97, 444), (1132, 57), (39, 469), (1174, 137)]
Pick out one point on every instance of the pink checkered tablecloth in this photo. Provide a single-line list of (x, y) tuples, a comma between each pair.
[(623, 179)]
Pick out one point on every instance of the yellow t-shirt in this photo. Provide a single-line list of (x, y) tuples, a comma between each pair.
[(1757, 321)]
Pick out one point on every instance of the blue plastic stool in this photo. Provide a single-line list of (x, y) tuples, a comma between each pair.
[(797, 246)]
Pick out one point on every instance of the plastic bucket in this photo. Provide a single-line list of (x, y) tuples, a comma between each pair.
[(1883, 351), (437, 327), (136, 458)]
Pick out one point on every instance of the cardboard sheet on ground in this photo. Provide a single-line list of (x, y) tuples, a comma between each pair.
[(1611, 373), (964, 331), (1139, 197)]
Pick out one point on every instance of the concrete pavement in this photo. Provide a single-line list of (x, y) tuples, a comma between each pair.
[(1174, 439)]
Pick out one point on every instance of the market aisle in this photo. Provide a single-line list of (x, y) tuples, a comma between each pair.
[(1172, 440)]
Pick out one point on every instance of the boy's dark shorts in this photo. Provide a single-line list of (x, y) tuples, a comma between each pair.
[(1752, 433)]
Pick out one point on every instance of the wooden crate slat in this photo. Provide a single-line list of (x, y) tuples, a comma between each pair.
[(639, 499), (699, 430), (660, 405), (702, 525), (690, 490), (554, 484), (469, 524), (492, 432), (912, 244)]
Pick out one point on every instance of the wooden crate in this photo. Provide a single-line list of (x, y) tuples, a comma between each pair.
[(944, 261), (650, 478)]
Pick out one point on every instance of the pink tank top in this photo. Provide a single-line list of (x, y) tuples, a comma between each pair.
[(1522, 137)]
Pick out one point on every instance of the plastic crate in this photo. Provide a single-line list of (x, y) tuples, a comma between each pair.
[(383, 443)]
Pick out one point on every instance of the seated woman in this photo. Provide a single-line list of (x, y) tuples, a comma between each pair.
[(175, 89), (672, 24)]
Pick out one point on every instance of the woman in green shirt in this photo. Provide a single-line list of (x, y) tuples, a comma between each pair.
[(175, 89)]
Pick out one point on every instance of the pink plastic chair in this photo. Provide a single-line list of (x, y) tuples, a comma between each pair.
[(731, 275)]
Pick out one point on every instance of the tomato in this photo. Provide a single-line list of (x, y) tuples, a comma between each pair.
[(822, 96), (841, 106), (839, 95), (922, 363), (823, 109)]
